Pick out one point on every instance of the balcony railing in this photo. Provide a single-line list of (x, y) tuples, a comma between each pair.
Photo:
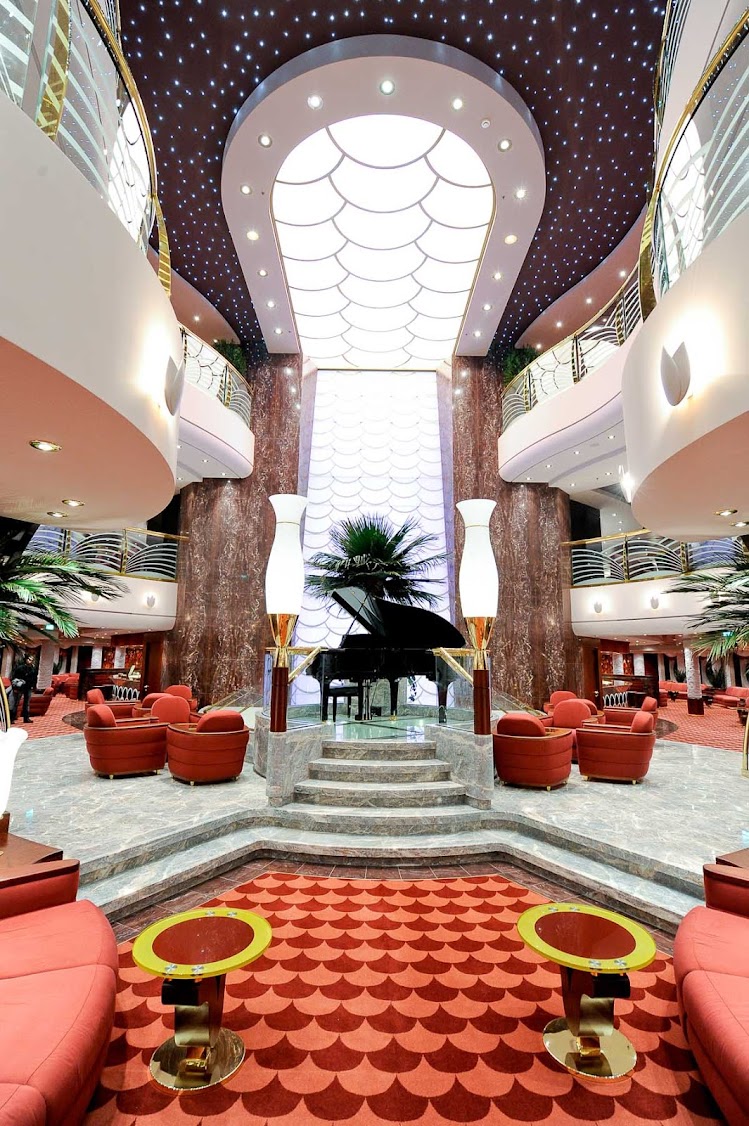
[(207, 368), (135, 553), (61, 62), (703, 185), (579, 355), (635, 556), (673, 29)]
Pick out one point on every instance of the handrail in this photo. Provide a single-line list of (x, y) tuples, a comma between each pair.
[(673, 29), (620, 325), (131, 552), (208, 369), (716, 66), (605, 539), (640, 555)]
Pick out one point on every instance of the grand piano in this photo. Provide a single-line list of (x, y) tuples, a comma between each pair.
[(398, 643)]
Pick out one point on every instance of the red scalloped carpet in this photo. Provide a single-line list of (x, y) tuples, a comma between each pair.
[(42, 726), (398, 1002), (718, 727)]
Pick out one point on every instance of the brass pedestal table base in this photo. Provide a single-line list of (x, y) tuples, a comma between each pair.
[(193, 952), (594, 949)]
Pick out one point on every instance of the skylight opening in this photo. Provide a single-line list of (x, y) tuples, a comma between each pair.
[(381, 223)]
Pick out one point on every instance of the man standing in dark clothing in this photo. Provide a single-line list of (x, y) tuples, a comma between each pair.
[(22, 680)]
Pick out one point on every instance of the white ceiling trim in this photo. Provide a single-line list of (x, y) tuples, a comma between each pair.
[(346, 77)]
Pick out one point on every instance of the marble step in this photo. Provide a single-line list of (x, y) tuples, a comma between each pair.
[(393, 749), (379, 821), (646, 900), (380, 795), (379, 770)]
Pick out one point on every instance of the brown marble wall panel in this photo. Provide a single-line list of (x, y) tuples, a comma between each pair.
[(533, 648), (219, 640)]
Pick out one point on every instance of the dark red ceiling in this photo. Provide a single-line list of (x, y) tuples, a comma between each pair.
[(584, 67)]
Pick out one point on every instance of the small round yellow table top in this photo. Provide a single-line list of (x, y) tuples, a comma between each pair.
[(206, 942), (588, 938)]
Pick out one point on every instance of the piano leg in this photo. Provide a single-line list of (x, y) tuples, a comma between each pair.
[(441, 702), (393, 698), (325, 699), (360, 701)]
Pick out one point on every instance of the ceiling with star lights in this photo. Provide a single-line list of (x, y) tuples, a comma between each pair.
[(585, 69)]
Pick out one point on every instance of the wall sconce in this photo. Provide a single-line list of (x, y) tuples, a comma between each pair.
[(598, 606), (655, 602), (284, 589), (676, 374), (478, 582), (150, 601)]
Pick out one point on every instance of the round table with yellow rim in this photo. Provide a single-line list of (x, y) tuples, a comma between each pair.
[(594, 949), (193, 952)]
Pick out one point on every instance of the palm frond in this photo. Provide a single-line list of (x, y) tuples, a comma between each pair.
[(723, 620)]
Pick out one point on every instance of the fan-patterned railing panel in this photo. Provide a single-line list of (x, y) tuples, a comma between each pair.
[(208, 369), (641, 555), (134, 552)]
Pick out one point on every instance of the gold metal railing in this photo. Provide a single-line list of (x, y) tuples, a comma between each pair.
[(131, 552), (673, 28), (700, 188), (207, 368), (641, 555)]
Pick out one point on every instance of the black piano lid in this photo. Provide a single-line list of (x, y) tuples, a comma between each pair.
[(396, 625)]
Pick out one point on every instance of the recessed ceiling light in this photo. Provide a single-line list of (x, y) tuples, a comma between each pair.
[(740, 524), (608, 472), (278, 331), (288, 371), (727, 512), (539, 347), (548, 465), (205, 461), (520, 193), (196, 317), (457, 103), (527, 478), (223, 474), (178, 446), (262, 273), (505, 145), (253, 236), (44, 446), (58, 515), (486, 308), (314, 101), (572, 484), (577, 453), (271, 304), (387, 86), (477, 332), (485, 123), (611, 437), (265, 140), (497, 275), (246, 189), (588, 300), (622, 273), (511, 239), (180, 478), (559, 324), (71, 503)]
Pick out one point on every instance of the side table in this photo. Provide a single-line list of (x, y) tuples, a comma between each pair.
[(193, 952)]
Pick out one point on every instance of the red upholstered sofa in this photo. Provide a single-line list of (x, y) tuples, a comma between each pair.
[(71, 686), (617, 754), (626, 715), (212, 750), (711, 965), (527, 753), (39, 702), (120, 709), (122, 747), (731, 697), (58, 981)]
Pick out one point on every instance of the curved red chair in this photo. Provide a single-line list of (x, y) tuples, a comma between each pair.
[(212, 750), (115, 749), (171, 709), (626, 715), (71, 686), (185, 692), (142, 710), (527, 753), (556, 698), (120, 709), (39, 702), (617, 754)]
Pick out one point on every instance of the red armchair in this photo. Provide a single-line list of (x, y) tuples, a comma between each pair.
[(626, 715), (185, 692), (527, 753), (171, 709), (127, 747), (39, 702), (212, 750), (142, 709), (72, 685), (119, 709), (617, 754), (556, 698), (711, 966), (58, 982)]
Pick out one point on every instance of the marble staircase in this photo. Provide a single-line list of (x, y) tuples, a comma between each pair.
[(380, 787)]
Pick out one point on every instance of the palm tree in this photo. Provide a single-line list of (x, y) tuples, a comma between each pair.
[(38, 587), (371, 553), (724, 621)]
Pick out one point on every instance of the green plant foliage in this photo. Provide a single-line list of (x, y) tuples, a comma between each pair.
[(716, 677), (724, 621), (680, 675), (514, 360), (233, 353), (371, 553), (37, 589)]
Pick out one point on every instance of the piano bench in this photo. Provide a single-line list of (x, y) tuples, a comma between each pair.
[(347, 692)]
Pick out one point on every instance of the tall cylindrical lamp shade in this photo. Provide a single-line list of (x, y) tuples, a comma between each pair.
[(284, 590), (478, 583)]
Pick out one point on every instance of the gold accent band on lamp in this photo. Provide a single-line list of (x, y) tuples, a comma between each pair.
[(479, 631), (282, 628), (57, 62)]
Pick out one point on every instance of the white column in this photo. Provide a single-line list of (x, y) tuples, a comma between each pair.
[(96, 656), (48, 653), (639, 664), (661, 667), (618, 664), (74, 659), (7, 661), (119, 656), (692, 666), (728, 670)]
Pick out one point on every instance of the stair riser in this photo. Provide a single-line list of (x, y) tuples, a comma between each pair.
[(379, 772), (360, 823), (394, 752), (383, 799)]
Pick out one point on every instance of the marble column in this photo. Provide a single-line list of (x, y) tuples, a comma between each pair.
[(97, 655), (7, 662), (74, 659), (219, 640), (728, 671), (695, 703), (661, 668), (618, 664), (48, 654), (533, 649), (638, 664), (119, 656)]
